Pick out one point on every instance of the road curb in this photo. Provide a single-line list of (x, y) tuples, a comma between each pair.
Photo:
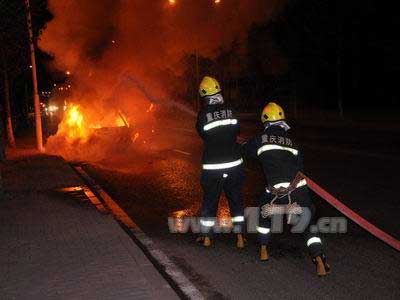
[(175, 277)]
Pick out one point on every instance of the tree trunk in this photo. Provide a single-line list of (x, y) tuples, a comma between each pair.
[(9, 127)]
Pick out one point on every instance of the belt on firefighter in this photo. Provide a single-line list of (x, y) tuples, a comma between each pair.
[(280, 190), (222, 166), (284, 188)]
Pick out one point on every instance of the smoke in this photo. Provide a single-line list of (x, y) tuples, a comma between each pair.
[(123, 54), (99, 40)]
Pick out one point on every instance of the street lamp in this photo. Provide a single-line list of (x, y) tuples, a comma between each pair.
[(36, 100)]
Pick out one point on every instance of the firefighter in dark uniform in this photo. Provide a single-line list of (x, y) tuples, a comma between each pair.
[(222, 163), (287, 192)]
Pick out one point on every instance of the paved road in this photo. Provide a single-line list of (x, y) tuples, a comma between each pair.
[(162, 183), (55, 245)]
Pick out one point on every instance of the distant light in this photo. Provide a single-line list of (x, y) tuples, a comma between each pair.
[(217, 1), (30, 66), (172, 2), (68, 73), (54, 84), (113, 41), (69, 86), (53, 108)]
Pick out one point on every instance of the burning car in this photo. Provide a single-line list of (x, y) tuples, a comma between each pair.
[(80, 136)]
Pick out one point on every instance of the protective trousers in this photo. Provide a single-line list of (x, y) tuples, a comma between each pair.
[(213, 182), (303, 221)]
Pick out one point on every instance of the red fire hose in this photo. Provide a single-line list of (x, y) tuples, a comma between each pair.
[(388, 239)]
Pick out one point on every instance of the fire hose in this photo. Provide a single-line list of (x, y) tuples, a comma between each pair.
[(380, 234)]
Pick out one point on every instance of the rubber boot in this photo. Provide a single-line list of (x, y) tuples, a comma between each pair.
[(264, 253), (321, 265), (240, 241), (204, 240)]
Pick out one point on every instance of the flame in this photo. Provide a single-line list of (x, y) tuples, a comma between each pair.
[(121, 120), (73, 125), (96, 126)]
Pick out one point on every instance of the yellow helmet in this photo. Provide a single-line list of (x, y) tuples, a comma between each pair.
[(272, 112), (209, 86)]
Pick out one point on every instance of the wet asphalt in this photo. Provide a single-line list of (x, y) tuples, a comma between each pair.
[(360, 167)]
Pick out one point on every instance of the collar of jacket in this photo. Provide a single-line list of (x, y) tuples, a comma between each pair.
[(214, 99), (280, 123)]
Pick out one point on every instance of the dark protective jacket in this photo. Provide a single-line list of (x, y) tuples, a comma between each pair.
[(278, 153), (218, 126)]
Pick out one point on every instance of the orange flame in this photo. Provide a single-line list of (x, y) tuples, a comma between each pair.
[(73, 125), (121, 120)]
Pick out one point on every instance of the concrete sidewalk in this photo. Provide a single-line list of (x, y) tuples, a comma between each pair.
[(55, 245)]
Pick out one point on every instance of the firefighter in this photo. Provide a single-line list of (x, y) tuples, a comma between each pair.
[(287, 192), (222, 163)]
